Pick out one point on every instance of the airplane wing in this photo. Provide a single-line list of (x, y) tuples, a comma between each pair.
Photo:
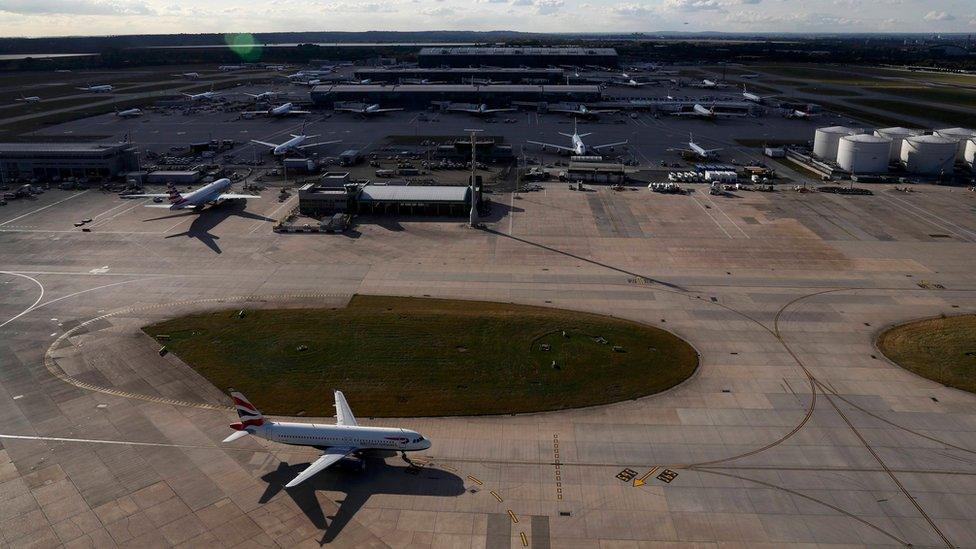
[(265, 143), (554, 146), (255, 112), (299, 112), (158, 195), (232, 196), (330, 457), (387, 110), (158, 206), (605, 145), (497, 110), (320, 143), (343, 411)]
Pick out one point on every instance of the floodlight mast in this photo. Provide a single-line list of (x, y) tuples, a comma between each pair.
[(473, 215)]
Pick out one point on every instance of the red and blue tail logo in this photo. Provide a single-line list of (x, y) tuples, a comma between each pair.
[(250, 416)]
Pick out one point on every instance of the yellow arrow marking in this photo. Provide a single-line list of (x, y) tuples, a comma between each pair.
[(642, 480)]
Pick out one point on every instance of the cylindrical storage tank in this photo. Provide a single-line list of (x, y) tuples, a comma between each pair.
[(864, 153), (897, 136), (825, 141), (970, 155), (960, 135), (929, 154)]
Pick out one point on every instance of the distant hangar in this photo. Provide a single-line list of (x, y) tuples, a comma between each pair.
[(474, 56), (420, 96)]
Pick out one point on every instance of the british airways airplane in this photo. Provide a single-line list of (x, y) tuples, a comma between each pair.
[(336, 441), (208, 194), (577, 147)]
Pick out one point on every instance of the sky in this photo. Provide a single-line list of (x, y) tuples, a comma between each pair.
[(103, 17)]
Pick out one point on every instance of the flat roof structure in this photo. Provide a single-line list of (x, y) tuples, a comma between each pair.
[(62, 160), (469, 56), (421, 194), (421, 95), (462, 74)]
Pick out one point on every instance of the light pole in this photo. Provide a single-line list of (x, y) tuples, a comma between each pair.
[(473, 216)]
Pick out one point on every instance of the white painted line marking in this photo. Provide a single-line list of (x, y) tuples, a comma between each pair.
[(42, 208), (709, 214), (727, 217), (27, 310)]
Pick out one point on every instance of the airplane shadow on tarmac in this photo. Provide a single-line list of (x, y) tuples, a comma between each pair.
[(358, 485), (209, 218)]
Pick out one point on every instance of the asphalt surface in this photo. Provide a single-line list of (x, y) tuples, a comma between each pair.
[(795, 430)]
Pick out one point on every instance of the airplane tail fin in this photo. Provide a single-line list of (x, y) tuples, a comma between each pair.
[(250, 416)]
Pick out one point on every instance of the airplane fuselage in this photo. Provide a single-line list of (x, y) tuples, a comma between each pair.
[(204, 195), (324, 436), (281, 110), (751, 97), (287, 146), (702, 111)]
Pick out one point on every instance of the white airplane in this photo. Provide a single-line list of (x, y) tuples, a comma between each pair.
[(480, 110), (29, 99), (753, 97), (421, 81), (364, 109), (128, 113), (263, 95), (631, 83), (337, 441), (207, 194), (281, 110), (101, 88), (228, 68), (296, 143), (696, 149), (310, 83), (205, 96), (802, 115), (707, 113), (487, 82), (580, 110), (188, 75), (708, 84), (577, 147)]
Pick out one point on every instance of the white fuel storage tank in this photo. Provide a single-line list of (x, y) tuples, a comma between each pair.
[(960, 135), (864, 153), (897, 136), (929, 154), (825, 141)]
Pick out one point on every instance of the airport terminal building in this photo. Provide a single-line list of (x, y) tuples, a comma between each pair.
[(49, 161), (420, 96), (461, 75), (470, 56)]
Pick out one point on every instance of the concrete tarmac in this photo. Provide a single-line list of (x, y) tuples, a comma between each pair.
[(795, 430)]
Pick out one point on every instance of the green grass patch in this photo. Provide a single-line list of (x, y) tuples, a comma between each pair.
[(868, 117), (951, 97), (820, 90), (940, 349), (405, 357), (945, 116)]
